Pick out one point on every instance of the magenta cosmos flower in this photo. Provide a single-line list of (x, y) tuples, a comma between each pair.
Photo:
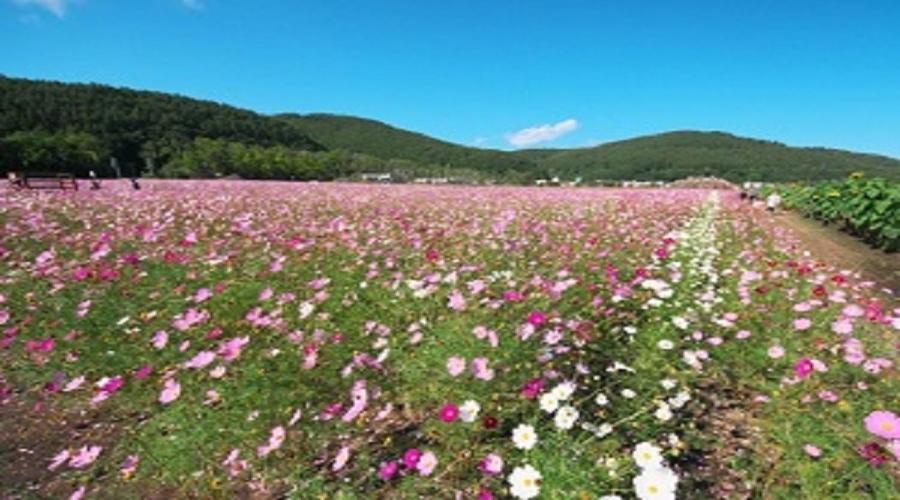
[(883, 424), (803, 368), (449, 413)]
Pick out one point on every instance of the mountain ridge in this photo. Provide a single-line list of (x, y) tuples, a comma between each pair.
[(135, 125)]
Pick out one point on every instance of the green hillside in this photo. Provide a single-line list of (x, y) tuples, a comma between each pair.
[(384, 141), (666, 156), (675, 155), (131, 124), (67, 126)]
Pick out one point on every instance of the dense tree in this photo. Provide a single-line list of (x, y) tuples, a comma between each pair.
[(76, 152), (135, 125)]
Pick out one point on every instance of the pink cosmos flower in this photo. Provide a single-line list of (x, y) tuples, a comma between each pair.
[(160, 339), (340, 460), (884, 424), (456, 301), (79, 493), (85, 456), (427, 464), (776, 351), (276, 438), (485, 494), (202, 295), (742, 334), (532, 388), (456, 365), (231, 349), (411, 458), (491, 465), (537, 318), (129, 466), (201, 360), (812, 450), (360, 397), (481, 370), (388, 470), (802, 324), (803, 368), (59, 459), (842, 327), (171, 391), (449, 413), (894, 447)]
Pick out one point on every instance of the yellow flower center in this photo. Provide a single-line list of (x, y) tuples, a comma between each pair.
[(652, 489), (887, 426)]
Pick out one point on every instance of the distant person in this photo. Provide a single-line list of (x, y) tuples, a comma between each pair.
[(773, 201), (95, 182), (14, 180), (135, 184)]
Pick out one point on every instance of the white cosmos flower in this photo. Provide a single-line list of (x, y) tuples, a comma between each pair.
[(668, 383), (601, 399), (549, 402), (524, 482), (524, 437), (628, 393), (469, 410), (565, 418), (680, 323), (563, 391), (665, 344), (657, 483), (663, 413), (647, 455)]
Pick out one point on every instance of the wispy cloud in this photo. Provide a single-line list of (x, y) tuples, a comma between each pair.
[(193, 4), (541, 133), (55, 7)]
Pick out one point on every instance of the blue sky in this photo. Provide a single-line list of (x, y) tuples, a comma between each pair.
[(569, 72)]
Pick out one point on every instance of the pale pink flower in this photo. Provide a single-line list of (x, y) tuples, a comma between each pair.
[(85, 456), (842, 327), (171, 391), (160, 339), (343, 455), (802, 324), (456, 301), (456, 365), (59, 459), (426, 464), (480, 369), (79, 493), (776, 351), (201, 360), (812, 450), (883, 424)]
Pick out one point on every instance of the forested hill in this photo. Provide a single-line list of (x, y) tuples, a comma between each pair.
[(381, 140), (131, 124), (676, 155), (63, 126), (667, 156)]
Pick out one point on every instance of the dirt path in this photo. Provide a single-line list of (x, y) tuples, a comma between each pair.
[(845, 251)]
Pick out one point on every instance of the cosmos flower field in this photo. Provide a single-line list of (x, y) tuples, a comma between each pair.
[(220, 339)]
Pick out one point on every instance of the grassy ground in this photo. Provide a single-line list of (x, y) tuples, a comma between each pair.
[(315, 334)]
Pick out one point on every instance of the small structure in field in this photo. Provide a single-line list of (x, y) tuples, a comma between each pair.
[(376, 177)]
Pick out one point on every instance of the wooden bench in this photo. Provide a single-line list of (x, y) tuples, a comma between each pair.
[(63, 181)]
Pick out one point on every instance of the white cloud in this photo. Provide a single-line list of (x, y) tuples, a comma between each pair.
[(56, 7), (193, 4), (541, 133)]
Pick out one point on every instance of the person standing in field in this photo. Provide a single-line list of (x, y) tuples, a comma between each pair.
[(773, 201)]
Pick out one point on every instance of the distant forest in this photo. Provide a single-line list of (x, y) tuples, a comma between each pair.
[(50, 126)]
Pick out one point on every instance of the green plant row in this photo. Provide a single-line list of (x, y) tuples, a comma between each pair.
[(868, 208)]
